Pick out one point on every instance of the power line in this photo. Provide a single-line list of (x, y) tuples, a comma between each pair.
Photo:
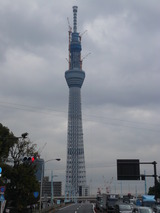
[(91, 117), (29, 108), (121, 120), (123, 125)]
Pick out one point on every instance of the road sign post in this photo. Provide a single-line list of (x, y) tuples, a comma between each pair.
[(0, 171), (128, 169), (3, 203), (2, 189)]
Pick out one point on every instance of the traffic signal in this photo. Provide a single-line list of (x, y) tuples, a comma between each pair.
[(143, 177), (28, 159), (32, 159)]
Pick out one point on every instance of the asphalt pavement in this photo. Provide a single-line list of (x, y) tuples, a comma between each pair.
[(77, 208)]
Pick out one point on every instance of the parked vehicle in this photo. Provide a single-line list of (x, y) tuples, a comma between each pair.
[(123, 208), (156, 208), (106, 202), (148, 200), (111, 200), (126, 199), (99, 204), (142, 209), (132, 205)]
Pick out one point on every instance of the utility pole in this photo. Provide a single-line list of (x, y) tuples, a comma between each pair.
[(155, 176), (52, 188), (155, 179), (145, 183), (42, 173)]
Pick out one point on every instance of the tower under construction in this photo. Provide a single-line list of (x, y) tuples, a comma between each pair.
[(75, 168)]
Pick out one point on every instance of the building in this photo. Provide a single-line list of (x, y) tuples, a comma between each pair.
[(75, 167), (39, 168), (46, 188)]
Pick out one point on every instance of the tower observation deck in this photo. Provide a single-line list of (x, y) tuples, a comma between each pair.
[(75, 168)]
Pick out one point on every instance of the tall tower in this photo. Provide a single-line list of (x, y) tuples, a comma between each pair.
[(75, 169)]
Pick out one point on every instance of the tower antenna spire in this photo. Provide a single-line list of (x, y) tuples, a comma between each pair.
[(75, 9), (75, 168)]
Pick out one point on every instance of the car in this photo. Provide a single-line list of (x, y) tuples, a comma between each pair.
[(156, 209), (99, 203), (122, 208), (132, 205), (142, 209)]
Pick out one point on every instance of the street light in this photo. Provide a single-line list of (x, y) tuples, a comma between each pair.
[(24, 135), (42, 171), (52, 192)]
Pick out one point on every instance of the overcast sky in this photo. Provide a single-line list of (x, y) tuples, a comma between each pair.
[(120, 94)]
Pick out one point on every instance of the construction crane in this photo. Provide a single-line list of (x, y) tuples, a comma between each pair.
[(80, 36), (108, 189), (99, 191), (41, 149), (84, 57), (81, 59)]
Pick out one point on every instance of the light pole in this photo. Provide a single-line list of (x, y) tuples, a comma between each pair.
[(52, 192), (42, 171), (121, 187)]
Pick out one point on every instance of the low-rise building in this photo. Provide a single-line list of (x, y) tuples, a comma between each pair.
[(46, 188)]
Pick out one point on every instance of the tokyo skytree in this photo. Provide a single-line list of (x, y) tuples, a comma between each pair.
[(75, 168)]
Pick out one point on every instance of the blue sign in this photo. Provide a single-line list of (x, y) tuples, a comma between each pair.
[(35, 194), (2, 188), (58, 202), (2, 198), (138, 202), (0, 171)]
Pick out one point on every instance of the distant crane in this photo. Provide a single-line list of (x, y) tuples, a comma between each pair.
[(80, 36), (81, 59), (105, 182), (108, 189), (69, 50), (41, 149), (84, 57), (69, 26), (99, 191)]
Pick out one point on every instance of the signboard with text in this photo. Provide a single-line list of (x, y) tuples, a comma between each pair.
[(128, 169)]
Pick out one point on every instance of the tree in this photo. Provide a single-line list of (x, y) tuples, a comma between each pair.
[(7, 140), (18, 177), (22, 185), (152, 190)]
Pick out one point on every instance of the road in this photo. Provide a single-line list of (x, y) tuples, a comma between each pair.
[(77, 208)]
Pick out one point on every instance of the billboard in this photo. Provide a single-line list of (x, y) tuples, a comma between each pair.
[(128, 169)]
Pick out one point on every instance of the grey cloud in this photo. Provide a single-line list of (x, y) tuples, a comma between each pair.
[(120, 95)]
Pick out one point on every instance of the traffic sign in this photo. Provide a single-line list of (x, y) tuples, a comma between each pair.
[(36, 194), (128, 169), (0, 171), (2, 188), (2, 198)]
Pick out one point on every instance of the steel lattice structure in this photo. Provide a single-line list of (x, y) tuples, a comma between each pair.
[(75, 169)]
